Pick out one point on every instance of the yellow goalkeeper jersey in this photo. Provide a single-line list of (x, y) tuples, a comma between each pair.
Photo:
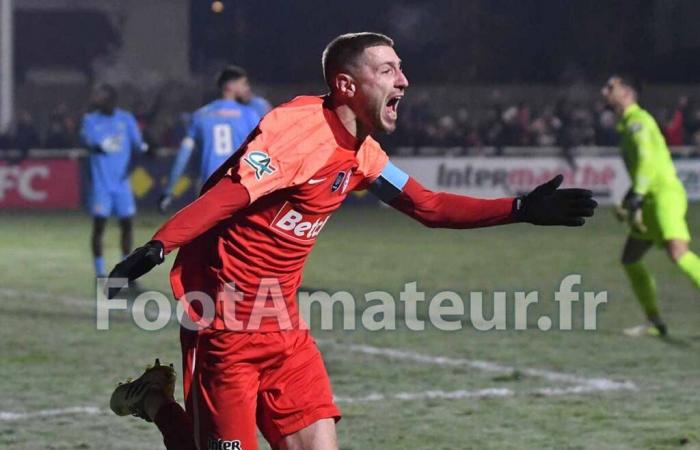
[(645, 152)]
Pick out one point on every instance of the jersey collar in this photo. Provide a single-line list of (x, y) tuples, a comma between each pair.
[(631, 109)]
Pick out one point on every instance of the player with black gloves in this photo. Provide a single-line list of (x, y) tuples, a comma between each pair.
[(254, 225)]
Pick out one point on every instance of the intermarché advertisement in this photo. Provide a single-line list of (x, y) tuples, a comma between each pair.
[(61, 183), (499, 177)]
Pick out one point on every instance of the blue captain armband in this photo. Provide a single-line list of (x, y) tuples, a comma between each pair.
[(389, 184)]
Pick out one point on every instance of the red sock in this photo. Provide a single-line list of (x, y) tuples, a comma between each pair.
[(176, 427)]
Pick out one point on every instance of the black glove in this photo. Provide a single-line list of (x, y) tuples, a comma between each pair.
[(632, 202), (139, 262), (547, 205), (164, 203), (631, 211)]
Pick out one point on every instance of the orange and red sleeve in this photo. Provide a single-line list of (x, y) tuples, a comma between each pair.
[(220, 202), (445, 210)]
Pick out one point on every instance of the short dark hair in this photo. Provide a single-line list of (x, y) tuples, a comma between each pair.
[(630, 80), (344, 49), (230, 73)]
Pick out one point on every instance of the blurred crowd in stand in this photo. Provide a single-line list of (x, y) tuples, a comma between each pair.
[(560, 123), (422, 122)]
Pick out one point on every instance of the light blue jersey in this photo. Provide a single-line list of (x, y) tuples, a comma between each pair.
[(260, 105), (111, 140), (217, 130)]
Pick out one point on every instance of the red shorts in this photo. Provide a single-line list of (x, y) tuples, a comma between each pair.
[(236, 381)]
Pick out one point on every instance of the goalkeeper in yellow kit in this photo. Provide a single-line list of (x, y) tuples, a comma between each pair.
[(656, 203)]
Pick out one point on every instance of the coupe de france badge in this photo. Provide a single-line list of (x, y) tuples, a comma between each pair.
[(261, 163)]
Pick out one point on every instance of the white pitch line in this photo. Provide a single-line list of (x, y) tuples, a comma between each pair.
[(584, 384), (427, 395), (7, 416), (434, 394)]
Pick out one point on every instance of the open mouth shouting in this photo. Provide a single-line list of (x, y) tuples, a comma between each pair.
[(392, 105)]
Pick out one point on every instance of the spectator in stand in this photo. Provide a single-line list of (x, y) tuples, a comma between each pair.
[(524, 121), (605, 126), (469, 135), (62, 129), (568, 136), (545, 128), (498, 123), (420, 121), (446, 133), (26, 134), (511, 133), (145, 115), (5, 141), (693, 128), (583, 131), (674, 129), (491, 128)]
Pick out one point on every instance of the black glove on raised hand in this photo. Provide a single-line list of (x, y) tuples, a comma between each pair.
[(139, 262), (547, 205)]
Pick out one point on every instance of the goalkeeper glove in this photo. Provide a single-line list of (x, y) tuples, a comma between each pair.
[(632, 205), (139, 262), (633, 202), (547, 205)]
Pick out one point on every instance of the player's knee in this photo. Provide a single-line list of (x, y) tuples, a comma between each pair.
[(320, 435), (676, 249)]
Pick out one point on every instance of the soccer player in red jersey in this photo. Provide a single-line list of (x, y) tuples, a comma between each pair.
[(251, 230)]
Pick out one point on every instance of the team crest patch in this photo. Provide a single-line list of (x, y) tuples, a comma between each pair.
[(261, 163), (338, 181)]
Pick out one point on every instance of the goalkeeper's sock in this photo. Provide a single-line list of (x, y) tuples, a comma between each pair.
[(99, 263), (644, 287), (689, 263)]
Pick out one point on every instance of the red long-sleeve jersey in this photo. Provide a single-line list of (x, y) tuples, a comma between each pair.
[(260, 214)]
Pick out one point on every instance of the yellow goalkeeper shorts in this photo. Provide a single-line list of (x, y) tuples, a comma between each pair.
[(664, 215)]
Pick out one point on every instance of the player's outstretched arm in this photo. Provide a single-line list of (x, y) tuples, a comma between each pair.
[(178, 168), (545, 205), (222, 200)]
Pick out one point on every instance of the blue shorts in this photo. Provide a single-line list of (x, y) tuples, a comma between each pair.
[(116, 202)]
